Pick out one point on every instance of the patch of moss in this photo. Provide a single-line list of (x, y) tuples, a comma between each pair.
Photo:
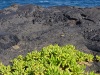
[(51, 60)]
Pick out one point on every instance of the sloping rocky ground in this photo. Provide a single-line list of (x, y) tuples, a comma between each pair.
[(24, 28)]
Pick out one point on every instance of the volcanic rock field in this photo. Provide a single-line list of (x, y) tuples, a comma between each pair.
[(24, 28)]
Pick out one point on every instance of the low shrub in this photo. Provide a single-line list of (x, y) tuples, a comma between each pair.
[(51, 60)]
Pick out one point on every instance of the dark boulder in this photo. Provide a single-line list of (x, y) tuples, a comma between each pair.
[(8, 40)]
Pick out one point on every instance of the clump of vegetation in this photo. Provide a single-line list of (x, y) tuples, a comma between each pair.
[(51, 60)]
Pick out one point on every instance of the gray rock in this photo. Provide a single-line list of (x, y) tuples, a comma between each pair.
[(8, 40)]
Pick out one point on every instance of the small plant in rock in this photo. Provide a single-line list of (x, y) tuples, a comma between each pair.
[(51, 60)]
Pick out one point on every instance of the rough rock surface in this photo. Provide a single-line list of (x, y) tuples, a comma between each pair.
[(24, 28)]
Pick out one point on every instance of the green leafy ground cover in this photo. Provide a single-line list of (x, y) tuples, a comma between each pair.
[(51, 60)]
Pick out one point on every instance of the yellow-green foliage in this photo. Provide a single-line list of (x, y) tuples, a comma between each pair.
[(51, 60)]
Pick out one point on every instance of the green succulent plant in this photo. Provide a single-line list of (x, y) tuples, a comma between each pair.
[(51, 60)]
